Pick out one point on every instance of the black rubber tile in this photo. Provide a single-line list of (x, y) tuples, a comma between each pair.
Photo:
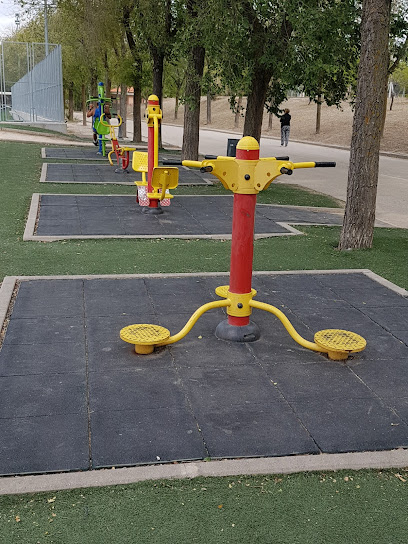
[(45, 330), (93, 201), (43, 395), (135, 389), (288, 283), (253, 430), (352, 280), (228, 386), (210, 352), (51, 288), (324, 380), (338, 318), (110, 227), (104, 331), (382, 345), (342, 425), (44, 444), (388, 379), (21, 360), (374, 296), (59, 213), (119, 355), (131, 437), (58, 200), (400, 406), (55, 228), (73, 153), (395, 319), (401, 335), (314, 300), (168, 296), (36, 303), (119, 297)]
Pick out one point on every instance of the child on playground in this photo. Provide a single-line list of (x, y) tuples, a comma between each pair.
[(94, 111)]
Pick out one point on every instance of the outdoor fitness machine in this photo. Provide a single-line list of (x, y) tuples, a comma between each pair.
[(122, 153), (101, 129), (245, 175), (153, 193)]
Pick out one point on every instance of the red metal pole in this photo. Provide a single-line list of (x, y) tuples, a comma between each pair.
[(242, 245)]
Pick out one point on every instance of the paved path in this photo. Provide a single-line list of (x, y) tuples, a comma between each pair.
[(392, 197)]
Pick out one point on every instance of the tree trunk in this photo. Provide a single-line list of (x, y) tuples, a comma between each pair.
[(192, 105), (208, 109), (83, 105), (71, 102), (256, 102), (238, 112), (123, 109), (158, 63), (137, 118), (270, 119), (318, 113), (176, 106), (359, 217)]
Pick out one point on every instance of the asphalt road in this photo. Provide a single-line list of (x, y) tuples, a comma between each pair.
[(392, 196)]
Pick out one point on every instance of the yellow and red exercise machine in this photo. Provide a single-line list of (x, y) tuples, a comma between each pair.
[(245, 175), (153, 193)]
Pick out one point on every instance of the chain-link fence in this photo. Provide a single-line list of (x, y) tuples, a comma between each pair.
[(31, 83)]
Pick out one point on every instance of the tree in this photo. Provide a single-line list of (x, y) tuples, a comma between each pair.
[(359, 217), (326, 45), (195, 67)]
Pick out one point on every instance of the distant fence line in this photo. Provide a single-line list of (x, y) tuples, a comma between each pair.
[(31, 83)]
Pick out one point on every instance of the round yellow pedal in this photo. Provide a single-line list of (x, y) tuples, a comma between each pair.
[(144, 336), (339, 344), (222, 291)]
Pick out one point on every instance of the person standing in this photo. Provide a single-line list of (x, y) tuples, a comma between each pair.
[(285, 127)]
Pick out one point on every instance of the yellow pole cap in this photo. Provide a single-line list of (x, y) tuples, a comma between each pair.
[(248, 143), (153, 98)]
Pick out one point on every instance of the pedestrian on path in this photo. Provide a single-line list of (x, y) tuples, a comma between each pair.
[(285, 127)]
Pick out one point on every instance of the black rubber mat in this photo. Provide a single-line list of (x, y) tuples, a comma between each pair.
[(96, 173), (73, 396), (69, 215)]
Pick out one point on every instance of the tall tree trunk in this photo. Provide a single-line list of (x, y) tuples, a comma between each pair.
[(123, 110), (238, 112), (270, 119), (176, 106), (318, 113), (137, 118), (83, 89), (71, 102), (192, 105), (359, 217), (137, 75), (256, 102), (158, 64), (208, 109)]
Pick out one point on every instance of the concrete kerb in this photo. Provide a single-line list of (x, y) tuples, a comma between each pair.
[(229, 467)]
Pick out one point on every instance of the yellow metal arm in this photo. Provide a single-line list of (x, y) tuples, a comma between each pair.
[(287, 324), (193, 319)]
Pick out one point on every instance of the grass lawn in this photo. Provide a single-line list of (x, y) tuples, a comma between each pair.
[(321, 508), (342, 507)]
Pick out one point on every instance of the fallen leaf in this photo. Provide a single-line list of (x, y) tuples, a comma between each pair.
[(400, 477), (18, 518), (51, 500)]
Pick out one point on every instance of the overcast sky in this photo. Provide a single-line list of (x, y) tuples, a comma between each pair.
[(8, 11)]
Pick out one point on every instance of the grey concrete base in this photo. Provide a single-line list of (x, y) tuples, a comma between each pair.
[(227, 467)]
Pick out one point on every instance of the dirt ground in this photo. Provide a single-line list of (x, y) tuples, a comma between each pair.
[(336, 124)]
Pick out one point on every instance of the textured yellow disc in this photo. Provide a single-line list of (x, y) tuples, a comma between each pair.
[(144, 334), (222, 291), (338, 340)]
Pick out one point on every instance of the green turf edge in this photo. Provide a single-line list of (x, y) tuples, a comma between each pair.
[(330, 507)]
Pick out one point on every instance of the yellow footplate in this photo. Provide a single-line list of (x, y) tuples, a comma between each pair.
[(144, 336), (339, 344)]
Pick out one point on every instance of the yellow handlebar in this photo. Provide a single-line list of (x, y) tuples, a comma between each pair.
[(192, 164), (107, 124)]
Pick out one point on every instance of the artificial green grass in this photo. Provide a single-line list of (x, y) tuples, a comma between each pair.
[(315, 508)]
